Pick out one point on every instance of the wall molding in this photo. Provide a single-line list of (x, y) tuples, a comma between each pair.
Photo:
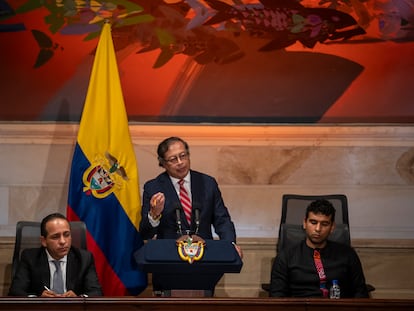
[(240, 134)]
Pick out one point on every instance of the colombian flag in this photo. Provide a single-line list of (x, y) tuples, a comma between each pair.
[(103, 186)]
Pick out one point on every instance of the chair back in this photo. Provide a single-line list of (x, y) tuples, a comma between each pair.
[(28, 236), (293, 212), (292, 234)]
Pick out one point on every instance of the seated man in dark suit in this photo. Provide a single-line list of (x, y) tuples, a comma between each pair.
[(56, 269), (309, 268)]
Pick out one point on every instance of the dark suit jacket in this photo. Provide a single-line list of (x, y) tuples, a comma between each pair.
[(33, 273), (206, 196)]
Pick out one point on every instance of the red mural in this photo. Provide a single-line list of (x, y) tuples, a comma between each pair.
[(268, 61)]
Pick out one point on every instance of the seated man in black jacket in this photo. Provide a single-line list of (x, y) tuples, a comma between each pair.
[(37, 273), (308, 268)]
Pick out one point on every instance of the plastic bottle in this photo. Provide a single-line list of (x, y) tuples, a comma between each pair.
[(335, 290)]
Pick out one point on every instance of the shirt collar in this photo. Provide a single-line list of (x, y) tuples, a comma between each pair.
[(50, 258), (187, 179)]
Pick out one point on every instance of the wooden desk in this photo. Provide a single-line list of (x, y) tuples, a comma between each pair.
[(203, 304)]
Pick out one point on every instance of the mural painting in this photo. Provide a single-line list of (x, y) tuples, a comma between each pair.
[(268, 61)]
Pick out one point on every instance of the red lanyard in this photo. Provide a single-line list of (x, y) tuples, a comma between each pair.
[(321, 272)]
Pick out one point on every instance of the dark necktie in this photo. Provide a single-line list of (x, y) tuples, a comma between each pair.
[(185, 201), (57, 278), (321, 272)]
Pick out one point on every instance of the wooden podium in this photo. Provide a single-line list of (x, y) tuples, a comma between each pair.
[(175, 277)]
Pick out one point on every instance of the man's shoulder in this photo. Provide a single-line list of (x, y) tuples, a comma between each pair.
[(33, 255), (79, 252), (157, 179), (337, 246), (32, 252), (296, 246), (200, 175), (292, 249)]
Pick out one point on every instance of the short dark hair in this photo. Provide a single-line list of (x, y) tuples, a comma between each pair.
[(323, 207), (165, 144), (43, 231)]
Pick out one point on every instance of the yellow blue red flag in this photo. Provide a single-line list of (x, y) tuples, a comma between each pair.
[(103, 186)]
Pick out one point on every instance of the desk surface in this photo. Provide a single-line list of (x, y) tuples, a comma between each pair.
[(204, 304)]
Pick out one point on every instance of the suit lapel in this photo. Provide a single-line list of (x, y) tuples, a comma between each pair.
[(196, 189), (169, 190), (44, 269), (70, 270)]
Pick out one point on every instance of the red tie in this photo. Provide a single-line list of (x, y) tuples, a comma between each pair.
[(321, 272), (185, 201)]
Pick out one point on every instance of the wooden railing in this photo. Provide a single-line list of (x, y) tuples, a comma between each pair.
[(204, 304)]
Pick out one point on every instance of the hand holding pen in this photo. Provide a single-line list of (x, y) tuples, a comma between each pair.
[(50, 293)]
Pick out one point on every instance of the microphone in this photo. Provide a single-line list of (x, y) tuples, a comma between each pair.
[(196, 216), (178, 219)]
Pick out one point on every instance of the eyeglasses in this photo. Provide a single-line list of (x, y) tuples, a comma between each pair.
[(174, 159)]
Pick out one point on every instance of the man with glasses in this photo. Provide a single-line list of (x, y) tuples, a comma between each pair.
[(167, 197)]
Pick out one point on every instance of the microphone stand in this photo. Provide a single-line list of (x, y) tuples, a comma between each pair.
[(178, 220), (197, 219), (188, 237)]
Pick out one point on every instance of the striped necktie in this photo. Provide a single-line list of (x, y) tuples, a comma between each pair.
[(185, 201), (57, 278), (321, 272)]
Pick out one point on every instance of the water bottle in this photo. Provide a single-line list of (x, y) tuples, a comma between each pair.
[(335, 290)]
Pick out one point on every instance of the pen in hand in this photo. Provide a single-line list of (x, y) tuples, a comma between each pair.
[(45, 287)]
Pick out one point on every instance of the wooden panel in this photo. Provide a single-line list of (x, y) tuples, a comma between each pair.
[(204, 304)]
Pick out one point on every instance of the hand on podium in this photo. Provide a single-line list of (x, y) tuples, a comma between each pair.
[(239, 250)]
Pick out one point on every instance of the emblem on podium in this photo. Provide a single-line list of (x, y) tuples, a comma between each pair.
[(190, 248)]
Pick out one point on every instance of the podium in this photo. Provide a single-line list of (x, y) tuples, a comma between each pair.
[(173, 276)]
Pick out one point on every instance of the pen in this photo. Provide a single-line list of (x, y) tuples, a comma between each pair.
[(45, 287)]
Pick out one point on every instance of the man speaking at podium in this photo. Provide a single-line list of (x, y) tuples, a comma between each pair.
[(181, 201), (182, 204)]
